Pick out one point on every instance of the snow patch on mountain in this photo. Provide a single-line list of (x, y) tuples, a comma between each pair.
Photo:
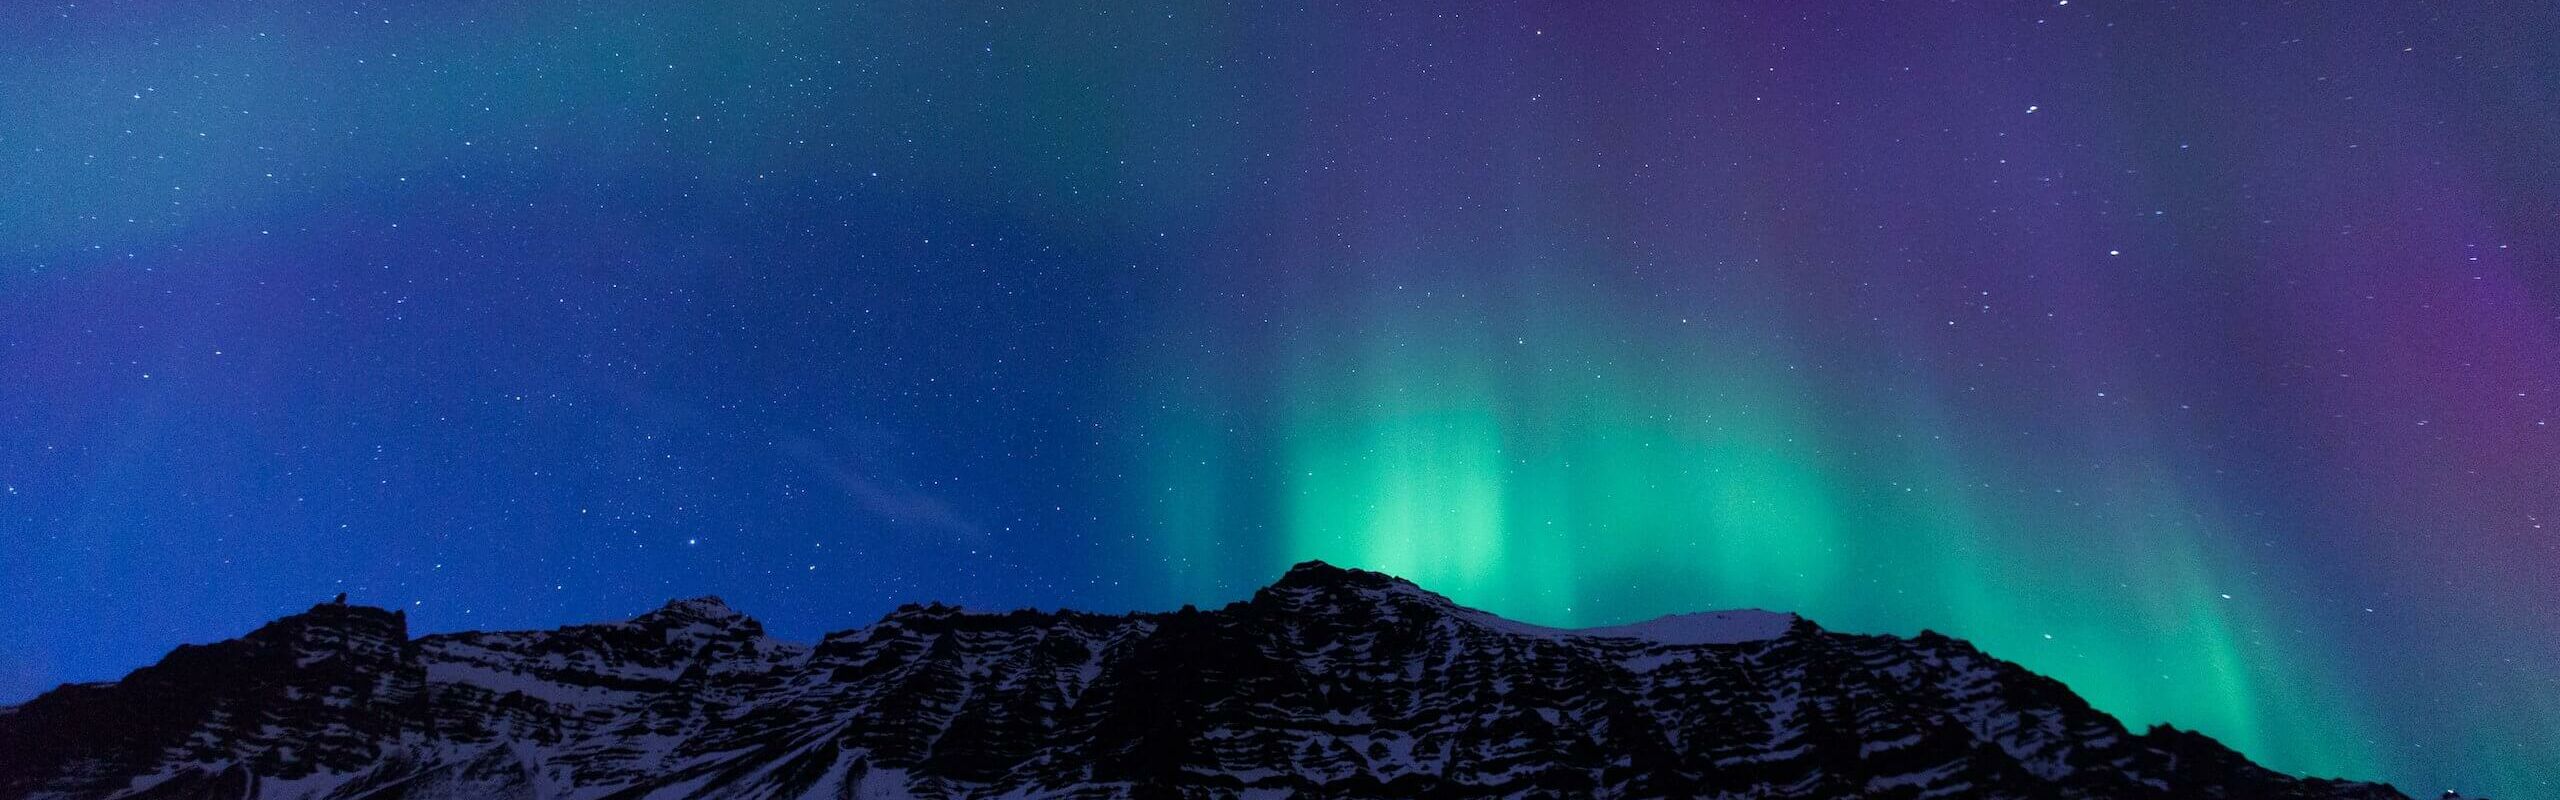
[(1706, 627)]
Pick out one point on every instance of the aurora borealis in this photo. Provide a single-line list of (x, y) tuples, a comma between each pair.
[(2203, 358)]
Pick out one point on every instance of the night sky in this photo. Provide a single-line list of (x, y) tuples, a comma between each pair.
[(2203, 357)]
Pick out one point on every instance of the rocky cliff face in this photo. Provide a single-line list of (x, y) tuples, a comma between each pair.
[(1330, 683)]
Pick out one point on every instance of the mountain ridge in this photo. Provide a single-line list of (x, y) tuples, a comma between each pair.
[(1329, 682)]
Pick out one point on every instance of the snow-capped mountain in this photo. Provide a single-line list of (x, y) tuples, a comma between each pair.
[(1330, 683)]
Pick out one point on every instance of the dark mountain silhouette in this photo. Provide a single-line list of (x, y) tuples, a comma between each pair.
[(1331, 683)]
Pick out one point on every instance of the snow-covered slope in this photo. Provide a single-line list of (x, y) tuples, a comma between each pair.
[(1329, 683)]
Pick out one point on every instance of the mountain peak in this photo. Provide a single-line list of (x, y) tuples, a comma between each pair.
[(340, 617), (1318, 574), (704, 610), (707, 605), (1329, 583)]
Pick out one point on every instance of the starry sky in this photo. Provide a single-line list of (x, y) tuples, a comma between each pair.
[(2201, 356)]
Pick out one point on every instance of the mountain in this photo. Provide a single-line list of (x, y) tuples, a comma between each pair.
[(1330, 683)]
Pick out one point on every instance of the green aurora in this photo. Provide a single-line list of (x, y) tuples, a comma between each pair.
[(1553, 467)]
